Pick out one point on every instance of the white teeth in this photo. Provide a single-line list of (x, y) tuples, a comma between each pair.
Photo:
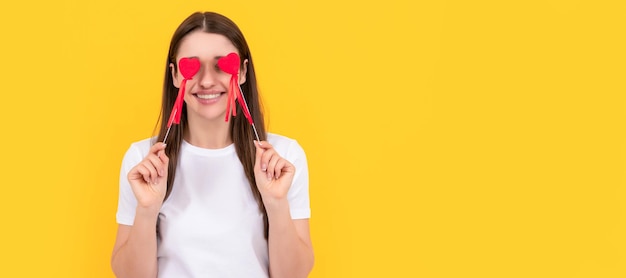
[(212, 96)]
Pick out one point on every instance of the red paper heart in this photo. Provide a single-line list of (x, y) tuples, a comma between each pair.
[(189, 67), (229, 63)]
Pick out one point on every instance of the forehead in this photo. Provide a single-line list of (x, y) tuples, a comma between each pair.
[(205, 46)]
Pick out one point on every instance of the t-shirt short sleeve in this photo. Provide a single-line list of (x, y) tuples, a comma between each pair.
[(298, 194), (127, 202)]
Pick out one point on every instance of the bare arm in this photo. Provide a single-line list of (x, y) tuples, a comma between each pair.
[(290, 249), (135, 250)]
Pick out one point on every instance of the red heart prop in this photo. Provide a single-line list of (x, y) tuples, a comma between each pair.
[(229, 63), (189, 67)]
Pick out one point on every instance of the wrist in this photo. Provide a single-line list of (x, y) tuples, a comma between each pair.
[(147, 212), (276, 208)]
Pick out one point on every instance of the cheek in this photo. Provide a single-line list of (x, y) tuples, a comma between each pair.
[(226, 80), (222, 80)]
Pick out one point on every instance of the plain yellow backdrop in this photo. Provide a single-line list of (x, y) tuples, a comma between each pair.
[(444, 138)]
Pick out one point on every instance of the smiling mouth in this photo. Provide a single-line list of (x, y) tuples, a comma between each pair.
[(208, 96)]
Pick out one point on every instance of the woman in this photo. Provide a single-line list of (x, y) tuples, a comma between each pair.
[(213, 202)]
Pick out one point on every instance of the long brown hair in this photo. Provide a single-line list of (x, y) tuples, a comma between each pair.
[(240, 130)]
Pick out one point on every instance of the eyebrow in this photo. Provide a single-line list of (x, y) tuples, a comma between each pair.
[(216, 57)]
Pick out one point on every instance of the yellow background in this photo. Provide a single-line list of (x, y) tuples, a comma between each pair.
[(444, 138)]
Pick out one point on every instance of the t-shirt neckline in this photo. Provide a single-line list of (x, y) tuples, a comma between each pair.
[(208, 152)]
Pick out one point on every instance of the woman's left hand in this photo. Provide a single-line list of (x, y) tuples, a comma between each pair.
[(273, 173)]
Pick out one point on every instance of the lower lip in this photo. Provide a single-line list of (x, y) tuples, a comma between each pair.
[(208, 101)]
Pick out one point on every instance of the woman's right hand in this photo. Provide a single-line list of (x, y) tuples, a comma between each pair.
[(148, 179)]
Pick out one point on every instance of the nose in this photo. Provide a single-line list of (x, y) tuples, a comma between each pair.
[(207, 77)]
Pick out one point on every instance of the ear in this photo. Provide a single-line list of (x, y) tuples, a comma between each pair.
[(243, 72), (174, 75)]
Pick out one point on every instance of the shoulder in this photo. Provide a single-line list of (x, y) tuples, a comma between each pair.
[(144, 144), (285, 146), (277, 139), (280, 142), (140, 149)]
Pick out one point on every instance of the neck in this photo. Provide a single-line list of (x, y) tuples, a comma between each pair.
[(208, 134)]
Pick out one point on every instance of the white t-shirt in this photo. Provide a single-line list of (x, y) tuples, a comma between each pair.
[(210, 225)]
